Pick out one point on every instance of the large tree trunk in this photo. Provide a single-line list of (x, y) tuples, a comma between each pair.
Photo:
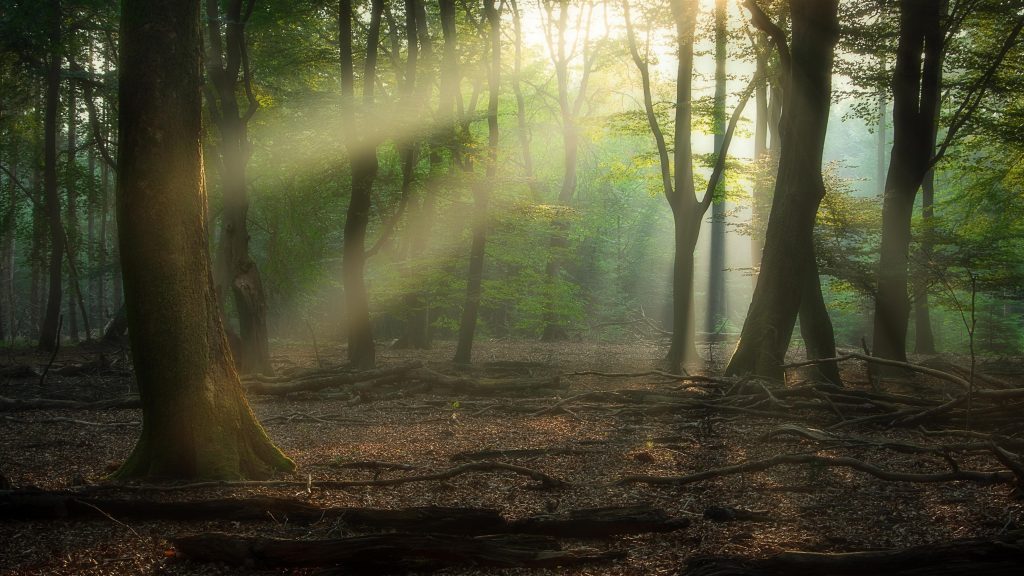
[(686, 212), (916, 79), (716, 306), (482, 192), (196, 421), (789, 246), (235, 270), (682, 349), (49, 330)]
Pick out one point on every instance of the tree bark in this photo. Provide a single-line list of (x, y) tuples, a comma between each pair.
[(196, 421), (789, 246), (916, 82), (48, 331)]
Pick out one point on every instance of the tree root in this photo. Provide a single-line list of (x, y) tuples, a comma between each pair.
[(543, 480), (980, 477)]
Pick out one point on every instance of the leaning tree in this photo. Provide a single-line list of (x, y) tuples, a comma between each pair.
[(196, 421), (788, 283)]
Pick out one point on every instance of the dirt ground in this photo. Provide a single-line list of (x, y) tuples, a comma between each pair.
[(810, 508)]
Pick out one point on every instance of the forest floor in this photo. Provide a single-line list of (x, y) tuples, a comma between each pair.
[(589, 443)]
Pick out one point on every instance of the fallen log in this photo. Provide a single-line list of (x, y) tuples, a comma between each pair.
[(395, 552), (15, 405), (317, 383), (998, 556), (40, 505), (601, 522), (575, 523), (484, 386), (18, 371), (22, 505)]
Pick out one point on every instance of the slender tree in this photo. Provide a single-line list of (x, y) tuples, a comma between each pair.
[(49, 330), (482, 191), (562, 51), (716, 307), (916, 92), (228, 69), (677, 176), (362, 152), (196, 421)]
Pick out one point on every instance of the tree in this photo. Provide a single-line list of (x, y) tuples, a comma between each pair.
[(916, 93), (227, 63), (362, 152), (196, 421), (789, 247), (677, 176), (561, 50), (50, 329), (482, 191), (716, 310)]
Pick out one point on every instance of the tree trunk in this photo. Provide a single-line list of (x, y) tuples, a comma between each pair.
[(364, 165), (48, 332), (789, 246), (924, 337), (482, 192), (816, 325), (101, 247), (235, 270), (682, 349), (916, 80), (716, 305), (71, 225), (8, 249), (196, 421)]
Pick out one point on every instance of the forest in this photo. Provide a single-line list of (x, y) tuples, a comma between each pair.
[(695, 287)]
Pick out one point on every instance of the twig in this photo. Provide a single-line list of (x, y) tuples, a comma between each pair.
[(111, 518), (53, 356)]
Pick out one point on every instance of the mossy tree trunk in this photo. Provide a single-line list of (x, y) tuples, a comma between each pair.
[(196, 421)]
